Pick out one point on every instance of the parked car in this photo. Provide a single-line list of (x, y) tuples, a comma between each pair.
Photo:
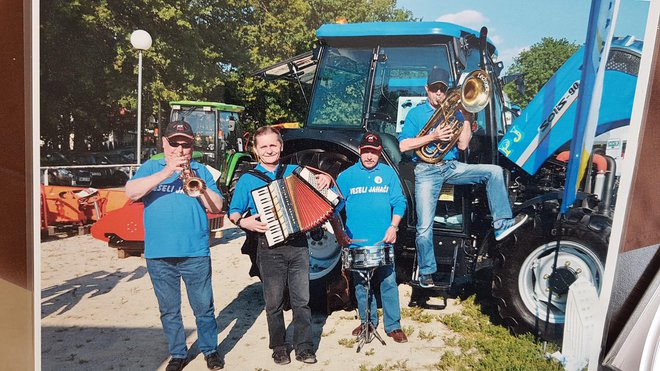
[(128, 153), (65, 177), (102, 176)]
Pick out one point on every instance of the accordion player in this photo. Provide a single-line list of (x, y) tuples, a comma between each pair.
[(293, 205)]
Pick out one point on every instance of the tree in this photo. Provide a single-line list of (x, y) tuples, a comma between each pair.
[(537, 65), (202, 50)]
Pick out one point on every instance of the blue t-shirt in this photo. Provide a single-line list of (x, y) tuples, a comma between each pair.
[(372, 196), (175, 224), (415, 121), (242, 200)]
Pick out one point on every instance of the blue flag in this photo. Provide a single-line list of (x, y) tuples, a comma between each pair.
[(599, 37)]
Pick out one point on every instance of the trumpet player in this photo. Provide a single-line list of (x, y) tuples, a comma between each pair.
[(429, 177), (177, 241)]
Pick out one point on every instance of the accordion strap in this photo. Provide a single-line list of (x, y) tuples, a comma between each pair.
[(279, 174)]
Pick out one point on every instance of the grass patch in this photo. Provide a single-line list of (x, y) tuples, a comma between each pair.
[(348, 343), (417, 314), (324, 334), (484, 346), (426, 335), (408, 330), (399, 365)]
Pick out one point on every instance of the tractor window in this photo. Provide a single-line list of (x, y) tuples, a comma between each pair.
[(399, 82), (340, 87)]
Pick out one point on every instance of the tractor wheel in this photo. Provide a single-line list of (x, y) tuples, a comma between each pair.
[(326, 286), (241, 168), (522, 274)]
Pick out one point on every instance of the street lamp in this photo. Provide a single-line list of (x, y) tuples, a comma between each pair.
[(141, 40)]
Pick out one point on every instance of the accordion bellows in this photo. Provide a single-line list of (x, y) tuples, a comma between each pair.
[(293, 205)]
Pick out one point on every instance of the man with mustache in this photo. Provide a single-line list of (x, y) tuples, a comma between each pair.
[(374, 205)]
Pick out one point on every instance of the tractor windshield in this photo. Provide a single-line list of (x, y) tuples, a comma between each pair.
[(202, 123), (346, 94)]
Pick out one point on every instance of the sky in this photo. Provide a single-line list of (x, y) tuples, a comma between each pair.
[(515, 25)]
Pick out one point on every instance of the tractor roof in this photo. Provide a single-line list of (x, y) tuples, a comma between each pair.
[(388, 29), (216, 105)]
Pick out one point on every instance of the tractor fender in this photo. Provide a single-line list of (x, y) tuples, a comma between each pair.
[(232, 164)]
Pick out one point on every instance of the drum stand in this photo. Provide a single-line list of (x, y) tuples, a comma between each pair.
[(367, 334)]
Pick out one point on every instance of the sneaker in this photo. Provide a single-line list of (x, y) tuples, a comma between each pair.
[(426, 281), (176, 364), (306, 356), (507, 226), (281, 356), (214, 362), (398, 336)]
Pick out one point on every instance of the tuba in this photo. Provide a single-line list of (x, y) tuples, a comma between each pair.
[(193, 186), (472, 96)]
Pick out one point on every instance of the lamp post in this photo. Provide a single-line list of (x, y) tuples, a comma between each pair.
[(141, 40)]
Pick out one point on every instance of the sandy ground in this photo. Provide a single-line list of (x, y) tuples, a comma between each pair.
[(99, 313)]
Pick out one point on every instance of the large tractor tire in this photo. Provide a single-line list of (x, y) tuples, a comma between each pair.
[(522, 274), (328, 288)]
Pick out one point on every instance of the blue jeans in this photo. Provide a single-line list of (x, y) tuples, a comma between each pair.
[(282, 267), (385, 279), (166, 275), (428, 183)]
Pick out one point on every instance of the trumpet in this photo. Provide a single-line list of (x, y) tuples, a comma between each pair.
[(193, 186)]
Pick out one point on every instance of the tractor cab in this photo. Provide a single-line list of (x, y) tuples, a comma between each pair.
[(216, 127), (220, 140)]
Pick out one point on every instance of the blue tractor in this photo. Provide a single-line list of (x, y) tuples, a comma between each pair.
[(366, 77)]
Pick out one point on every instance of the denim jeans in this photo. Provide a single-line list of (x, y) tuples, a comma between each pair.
[(281, 267), (428, 183), (385, 279), (166, 275)]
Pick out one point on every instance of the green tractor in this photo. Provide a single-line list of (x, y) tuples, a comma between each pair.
[(220, 141)]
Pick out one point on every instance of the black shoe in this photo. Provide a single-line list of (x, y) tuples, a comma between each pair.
[(176, 364), (306, 356), (214, 362), (281, 356), (426, 281)]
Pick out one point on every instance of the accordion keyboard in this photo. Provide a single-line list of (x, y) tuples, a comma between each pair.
[(292, 205)]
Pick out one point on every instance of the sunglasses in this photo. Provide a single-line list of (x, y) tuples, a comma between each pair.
[(185, 145), (438, 87)]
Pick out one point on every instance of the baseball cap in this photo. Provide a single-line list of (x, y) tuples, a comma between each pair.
[(178, 129), (438, 75), (371, 140)]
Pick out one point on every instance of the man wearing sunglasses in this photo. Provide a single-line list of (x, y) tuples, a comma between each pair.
[(176, 243), (430, 177)]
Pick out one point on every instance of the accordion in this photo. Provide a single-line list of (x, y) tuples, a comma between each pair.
[(293, 205)]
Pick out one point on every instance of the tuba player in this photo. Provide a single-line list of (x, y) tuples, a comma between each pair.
[(429, 177)]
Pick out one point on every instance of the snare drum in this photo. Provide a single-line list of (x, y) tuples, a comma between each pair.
[(367, 256)]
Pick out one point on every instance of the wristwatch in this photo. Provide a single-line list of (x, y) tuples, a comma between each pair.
[(396, 228)]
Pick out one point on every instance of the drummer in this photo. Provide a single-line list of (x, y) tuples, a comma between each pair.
[(374, 205)]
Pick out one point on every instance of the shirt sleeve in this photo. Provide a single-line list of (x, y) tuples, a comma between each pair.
[(397, 199), (343, 188), (411, 124), (145, 170), (207, 177), (240, 200)]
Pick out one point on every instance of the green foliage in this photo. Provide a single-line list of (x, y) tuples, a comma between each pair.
[(202, 50), (537, 65), (484, 346), (416, 314)]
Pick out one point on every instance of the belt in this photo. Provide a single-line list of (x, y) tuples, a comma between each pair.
[(439, 163)]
